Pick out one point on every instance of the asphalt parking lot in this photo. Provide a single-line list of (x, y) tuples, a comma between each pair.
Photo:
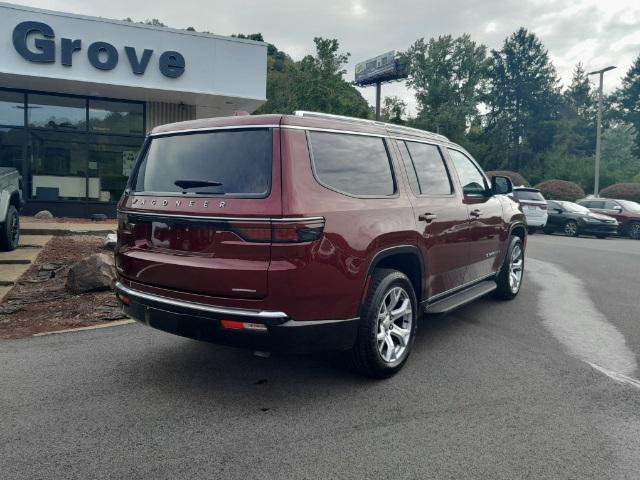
[(542, 387)]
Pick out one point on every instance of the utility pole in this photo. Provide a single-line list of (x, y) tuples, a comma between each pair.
[(596, 184), (378, 94)]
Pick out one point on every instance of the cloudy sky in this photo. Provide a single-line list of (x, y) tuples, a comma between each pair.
[(596, 32)]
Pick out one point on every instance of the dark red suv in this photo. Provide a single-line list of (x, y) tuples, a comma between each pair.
[(311, 232)]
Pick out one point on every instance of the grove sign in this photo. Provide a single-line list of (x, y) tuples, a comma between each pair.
[(101, 55)]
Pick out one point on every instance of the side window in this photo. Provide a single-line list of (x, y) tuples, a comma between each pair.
[(598, 204), (427, 172), (353, 164), (552, 205), (472, 180), (610, 205)]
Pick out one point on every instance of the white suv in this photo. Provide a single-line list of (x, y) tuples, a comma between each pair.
[(534, 206)]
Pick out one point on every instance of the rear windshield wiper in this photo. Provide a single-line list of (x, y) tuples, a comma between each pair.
[(196, 183)]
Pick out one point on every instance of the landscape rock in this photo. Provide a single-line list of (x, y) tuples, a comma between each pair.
[(96, 272), (110, 241), (44, 215)]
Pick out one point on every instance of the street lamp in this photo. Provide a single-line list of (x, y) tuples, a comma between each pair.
[(596, 186)]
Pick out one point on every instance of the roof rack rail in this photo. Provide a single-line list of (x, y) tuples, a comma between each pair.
[(389, 126)]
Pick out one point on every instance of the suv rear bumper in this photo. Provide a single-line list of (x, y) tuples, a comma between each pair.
[(203, 322)]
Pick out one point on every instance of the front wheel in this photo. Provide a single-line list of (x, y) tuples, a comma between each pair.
[(511, 273), (388, 325), (10, 231), (571, 229), (634, 231)]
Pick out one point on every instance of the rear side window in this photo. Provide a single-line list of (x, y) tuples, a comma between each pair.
[(528, 195), (231, 162), (426, 169), (353, 164)]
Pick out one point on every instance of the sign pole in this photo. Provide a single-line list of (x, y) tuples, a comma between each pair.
[(378, 92)]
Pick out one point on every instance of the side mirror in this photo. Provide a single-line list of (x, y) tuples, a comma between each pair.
[(617, 208), (557, 210), (501, 185)]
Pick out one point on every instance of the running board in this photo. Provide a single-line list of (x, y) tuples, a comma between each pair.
[(460, 298)]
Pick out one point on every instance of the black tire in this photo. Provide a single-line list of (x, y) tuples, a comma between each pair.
[(505, 290), (602, 237), (571, 229), (634, 230), (547, 231), (10, 230), (366, 356)]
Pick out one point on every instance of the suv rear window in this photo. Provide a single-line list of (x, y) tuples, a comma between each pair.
[(528, 195), (238, 160), (353, 164)]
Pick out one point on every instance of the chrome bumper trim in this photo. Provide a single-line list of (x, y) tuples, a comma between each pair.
[(200, 306)]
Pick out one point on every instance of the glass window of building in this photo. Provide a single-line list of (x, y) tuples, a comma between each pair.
[(56, 112), (116, 117), (59, 167), (111, 159), (11, 109), (12, 148)]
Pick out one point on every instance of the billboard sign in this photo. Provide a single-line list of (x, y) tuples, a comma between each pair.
[(382, 68)]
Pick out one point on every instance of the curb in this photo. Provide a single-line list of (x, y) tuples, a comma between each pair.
[(62, 232), (115, 323)]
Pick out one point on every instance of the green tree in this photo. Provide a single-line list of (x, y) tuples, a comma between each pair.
[(620, 163), (314, 83), (448, 76), (522, 100), (394, 109), (627, 99)]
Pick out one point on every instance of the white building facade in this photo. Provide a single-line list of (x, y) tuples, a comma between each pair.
[(78, 94)]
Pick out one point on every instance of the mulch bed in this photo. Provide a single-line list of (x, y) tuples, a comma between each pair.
[(40, 303)]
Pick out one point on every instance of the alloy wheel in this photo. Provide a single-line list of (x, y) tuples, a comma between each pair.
[(516, 268), (634, 231), (571, 229), (15, 230), (395, 317)]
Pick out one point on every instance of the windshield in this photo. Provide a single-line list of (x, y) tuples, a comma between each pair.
[(528, 195), (228, 162), (630, 206)]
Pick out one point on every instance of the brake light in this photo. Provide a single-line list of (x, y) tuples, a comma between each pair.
[(282, 231), (543, 207)]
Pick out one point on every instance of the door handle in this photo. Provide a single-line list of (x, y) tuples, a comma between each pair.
[(475, 213), (427, 217)]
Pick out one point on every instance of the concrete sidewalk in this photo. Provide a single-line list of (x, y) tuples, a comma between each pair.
[(14, 264), (28, 227)]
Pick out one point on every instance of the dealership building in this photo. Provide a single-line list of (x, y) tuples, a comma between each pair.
[(78, 94)]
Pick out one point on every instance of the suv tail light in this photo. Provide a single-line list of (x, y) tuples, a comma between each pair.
[(298, 230)]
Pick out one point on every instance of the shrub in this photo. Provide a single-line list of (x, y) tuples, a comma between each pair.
[(560, 190), (623, 191), (517, 179)]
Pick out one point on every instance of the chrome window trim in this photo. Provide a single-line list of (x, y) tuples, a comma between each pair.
[(200, 306), (224, 219), (208, 129)]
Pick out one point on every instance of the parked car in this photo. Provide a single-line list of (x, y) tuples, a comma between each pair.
[(534, 206), (11, 201), (627, 213), (574, 220), (311, 232)]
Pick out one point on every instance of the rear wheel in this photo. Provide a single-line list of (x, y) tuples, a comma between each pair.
[(388, 325), (511, 273), (10, 230), (634, 231), (571, 228)]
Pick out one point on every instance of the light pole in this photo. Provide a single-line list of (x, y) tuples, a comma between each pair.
[(596, 185)]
